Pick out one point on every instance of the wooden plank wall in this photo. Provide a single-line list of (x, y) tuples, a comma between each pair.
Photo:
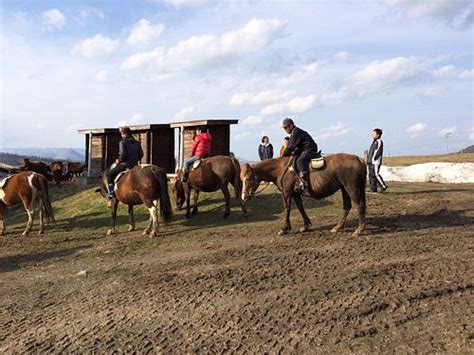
[(111, 149), (97, 155), (220, 140), (162, 143)]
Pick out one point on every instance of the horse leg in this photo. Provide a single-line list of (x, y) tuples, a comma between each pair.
[(287, 201), (2, 224), (41, 217), (225, 191), (347, 205), (195, 197), (132, 219), (357, 195), (187, 194), (114, 216), (154, 217), (300, 205), (148, 228), (29, 224)]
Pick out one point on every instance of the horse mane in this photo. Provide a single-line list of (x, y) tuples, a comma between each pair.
[(270, 169)]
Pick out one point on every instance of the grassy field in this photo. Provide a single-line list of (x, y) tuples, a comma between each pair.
[(419, 159)]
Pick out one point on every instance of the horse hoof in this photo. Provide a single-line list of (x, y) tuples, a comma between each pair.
[(153, 234), (282, 232), (40, 232), (110, 232), (25, 234), (194, 212), (226, 215), (356, 233), (145, 232), (131, 228), (304, 229), (187, 216), (334, 230)]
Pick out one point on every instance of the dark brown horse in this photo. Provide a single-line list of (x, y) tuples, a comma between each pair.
[(213, 174), (56, 168), (343, 172), (74, 169), (29, 189), (144, 184), (38, 167)]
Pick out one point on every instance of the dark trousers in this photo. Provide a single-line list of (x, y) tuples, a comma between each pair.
[(302, 162), (112, 173), (375, 178)]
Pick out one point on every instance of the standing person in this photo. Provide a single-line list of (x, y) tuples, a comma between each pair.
[(201, 148), (130, 153), (303, 147), (265, 149), (285, 144), (374, 162)]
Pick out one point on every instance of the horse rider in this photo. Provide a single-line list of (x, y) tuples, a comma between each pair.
[(130, 153), (200, 149), (303, 147)]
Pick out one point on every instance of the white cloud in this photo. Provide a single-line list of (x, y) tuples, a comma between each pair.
[(338, 129), (450, 71), (53, 18), (143, 32), (97, 46), (184, 112), (136, 118), (301, 73), (470, 134), (102, 76), (416, 129), (379, 77), (252, 120), (297, 104), (454, 13), (241, 137), (188, 3), (431, 91), (259, 98), (342, 55), (208, 50), (447, 130)]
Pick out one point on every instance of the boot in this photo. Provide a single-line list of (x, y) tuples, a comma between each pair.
[(111, 193), (303, 182)]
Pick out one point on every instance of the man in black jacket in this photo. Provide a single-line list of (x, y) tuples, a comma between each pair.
[(130, 153), (303, 147)]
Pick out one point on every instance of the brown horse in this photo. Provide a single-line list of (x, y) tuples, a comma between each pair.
[(213, 174), (56, 168), (38, 167), (343, 172), (29, 189), (145, 184)]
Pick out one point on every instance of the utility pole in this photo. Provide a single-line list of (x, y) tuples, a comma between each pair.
[(447, 135)]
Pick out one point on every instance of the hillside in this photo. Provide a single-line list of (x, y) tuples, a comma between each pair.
[(15, 159), (71, 154)]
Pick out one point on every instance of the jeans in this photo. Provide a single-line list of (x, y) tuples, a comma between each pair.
[(112, 173), (188, 164), (302, 162)]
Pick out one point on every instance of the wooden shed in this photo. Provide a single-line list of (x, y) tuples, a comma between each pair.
[(102, 147), (219, 129)]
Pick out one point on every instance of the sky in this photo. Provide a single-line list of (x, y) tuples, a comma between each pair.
[(338, 68)]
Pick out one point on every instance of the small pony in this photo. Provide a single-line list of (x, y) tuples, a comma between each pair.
[(29, 189), (146, 184)]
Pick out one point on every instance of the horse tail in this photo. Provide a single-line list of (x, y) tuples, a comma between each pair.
[(237, 181), (165, 202), (48, 209)]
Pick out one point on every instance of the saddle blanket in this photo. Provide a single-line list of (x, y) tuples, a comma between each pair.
[(4, 180), (196, 164)]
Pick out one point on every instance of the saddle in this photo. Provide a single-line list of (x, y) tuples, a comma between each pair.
[(196, 164), (120, 174), (316, 164)]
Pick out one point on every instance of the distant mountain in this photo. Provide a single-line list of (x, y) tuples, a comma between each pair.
[(13, 160), (71, 154), (469, 149)]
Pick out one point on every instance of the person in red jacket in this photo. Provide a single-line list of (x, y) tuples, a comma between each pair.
[(201, 148)]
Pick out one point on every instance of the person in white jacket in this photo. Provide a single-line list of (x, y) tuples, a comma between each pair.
[(374, 162)]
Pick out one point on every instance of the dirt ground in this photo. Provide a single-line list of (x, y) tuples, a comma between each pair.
[(208, 285)]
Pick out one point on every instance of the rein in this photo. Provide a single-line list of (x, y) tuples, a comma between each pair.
[(258, 192)]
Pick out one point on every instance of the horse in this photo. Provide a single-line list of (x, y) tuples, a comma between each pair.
[(343, 172), (29, 189), (38, 167), (75, 169), (143, 184), (56, 168), (212, 174)]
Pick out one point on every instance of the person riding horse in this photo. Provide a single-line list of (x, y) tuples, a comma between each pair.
[(130, 153), (303, 147), (201, 149)]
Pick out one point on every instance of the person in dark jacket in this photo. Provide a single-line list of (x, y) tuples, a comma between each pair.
[(303, 147), (374, 162), (265, 149), (130, 153)]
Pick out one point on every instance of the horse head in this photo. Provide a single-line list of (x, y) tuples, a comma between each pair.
[(249, 182), (177, 188)]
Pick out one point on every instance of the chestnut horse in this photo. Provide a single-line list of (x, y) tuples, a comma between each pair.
[(213, 174), (145, 184), (343, 172), (29, 189)]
